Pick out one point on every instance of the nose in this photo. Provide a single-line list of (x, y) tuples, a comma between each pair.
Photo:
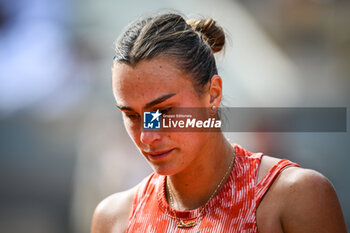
[(148, 138)]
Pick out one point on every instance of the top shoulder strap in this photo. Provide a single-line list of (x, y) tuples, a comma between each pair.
[(269, 178), (141, 192)]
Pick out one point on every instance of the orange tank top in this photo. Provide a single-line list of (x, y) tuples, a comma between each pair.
[(232, 209)]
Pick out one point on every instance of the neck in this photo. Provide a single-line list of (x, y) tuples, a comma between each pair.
[(194, 186)]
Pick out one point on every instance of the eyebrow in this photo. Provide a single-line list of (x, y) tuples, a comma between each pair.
[(150, 104)]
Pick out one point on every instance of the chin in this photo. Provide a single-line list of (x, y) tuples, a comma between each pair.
[(164, 170)]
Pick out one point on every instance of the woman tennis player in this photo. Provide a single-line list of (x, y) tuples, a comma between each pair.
[(201, 182)]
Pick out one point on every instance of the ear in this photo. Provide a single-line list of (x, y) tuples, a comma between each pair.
[(215, 91)]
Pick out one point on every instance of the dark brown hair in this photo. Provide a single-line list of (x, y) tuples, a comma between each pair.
[(191, 43)]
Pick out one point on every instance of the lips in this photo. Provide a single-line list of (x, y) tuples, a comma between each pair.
[(154, 155)]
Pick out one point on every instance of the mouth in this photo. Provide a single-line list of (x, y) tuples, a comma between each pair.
[(156, 155)]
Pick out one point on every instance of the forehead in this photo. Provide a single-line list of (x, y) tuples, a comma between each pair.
[(148, 80)]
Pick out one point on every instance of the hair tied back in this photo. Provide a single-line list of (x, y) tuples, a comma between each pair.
[(210, 32)]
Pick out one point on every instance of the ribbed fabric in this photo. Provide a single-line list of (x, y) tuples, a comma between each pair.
[(232, 209)]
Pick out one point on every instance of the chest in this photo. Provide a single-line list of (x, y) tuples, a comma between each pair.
[(226, 213)]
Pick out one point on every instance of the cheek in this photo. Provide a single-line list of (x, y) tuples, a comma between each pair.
[(185, 140), (193, 141), (133, 129)]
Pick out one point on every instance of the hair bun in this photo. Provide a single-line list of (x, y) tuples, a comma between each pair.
[(212, 33)]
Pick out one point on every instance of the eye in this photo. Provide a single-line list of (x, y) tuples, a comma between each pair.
[(132, 116), (165, 110)]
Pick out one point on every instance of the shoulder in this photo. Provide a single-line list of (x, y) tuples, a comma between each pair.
[(304, 200), (310, 203), (112, 214), (297, 181)]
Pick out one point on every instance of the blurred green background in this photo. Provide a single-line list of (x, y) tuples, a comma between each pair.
[(63, 147)]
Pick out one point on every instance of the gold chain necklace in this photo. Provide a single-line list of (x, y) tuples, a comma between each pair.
[(181, 223)]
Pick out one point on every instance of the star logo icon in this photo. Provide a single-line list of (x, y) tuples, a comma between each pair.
[(156, 115), (151, 120)]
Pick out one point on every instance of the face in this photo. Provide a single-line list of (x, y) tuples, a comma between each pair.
[(158, 84)]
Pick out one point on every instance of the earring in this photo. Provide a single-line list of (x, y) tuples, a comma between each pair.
[(213, 107)]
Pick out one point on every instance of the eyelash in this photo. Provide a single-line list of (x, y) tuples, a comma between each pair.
[(166, 110), (132, 116), (136, 116)]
